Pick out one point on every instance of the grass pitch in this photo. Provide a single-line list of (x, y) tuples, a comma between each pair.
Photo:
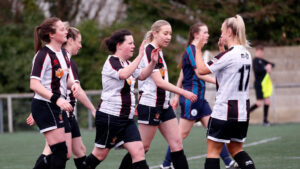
[(274, 147)]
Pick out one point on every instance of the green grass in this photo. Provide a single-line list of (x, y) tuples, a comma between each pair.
[(20, 150)]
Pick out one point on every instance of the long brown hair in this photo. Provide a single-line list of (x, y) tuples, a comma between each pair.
[(41, 32), (194, 29)]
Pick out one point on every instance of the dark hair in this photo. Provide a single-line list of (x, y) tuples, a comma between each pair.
[(117, 37), (72, 32), (41, 32), (193, 29), (259, 47)]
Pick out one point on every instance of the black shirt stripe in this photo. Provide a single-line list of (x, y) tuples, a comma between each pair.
[(126, 99), (39, 63), (219, 56), (115, 63), (74, 69)]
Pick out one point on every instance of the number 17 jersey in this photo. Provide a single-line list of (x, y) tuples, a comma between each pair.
[(232, 69)]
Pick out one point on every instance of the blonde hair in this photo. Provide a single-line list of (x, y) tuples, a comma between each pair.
[(155, 28), (237, 25)]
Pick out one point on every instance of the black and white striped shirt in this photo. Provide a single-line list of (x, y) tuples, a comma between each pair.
[(151, 95), (232, 69), (117, 97), (52, 69)]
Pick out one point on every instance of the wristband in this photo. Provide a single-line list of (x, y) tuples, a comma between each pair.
[(54, 98)]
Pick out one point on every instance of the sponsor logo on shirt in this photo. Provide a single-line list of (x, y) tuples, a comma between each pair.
[(246, 56), (55, 62)]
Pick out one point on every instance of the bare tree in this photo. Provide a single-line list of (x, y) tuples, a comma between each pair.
[(75, 11)]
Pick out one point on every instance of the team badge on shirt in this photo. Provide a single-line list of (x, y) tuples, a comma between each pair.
[(129, 80), (162, 72), (194, 112), (59, 73)]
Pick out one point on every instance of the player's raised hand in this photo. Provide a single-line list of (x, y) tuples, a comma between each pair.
[(142, 48), (155, 54)]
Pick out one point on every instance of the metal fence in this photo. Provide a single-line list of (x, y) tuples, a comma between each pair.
[(10, 97)]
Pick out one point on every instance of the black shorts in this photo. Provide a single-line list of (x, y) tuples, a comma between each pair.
[(47, 116), (154, 115), (226, 131), (74, 126), (258, 91), (66, 121), (113, 131)]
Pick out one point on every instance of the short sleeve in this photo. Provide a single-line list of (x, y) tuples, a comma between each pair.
[(40, 64), (112, 67), (147, 55), (190, 56), (219, 62), (74, 75), (136, 73)]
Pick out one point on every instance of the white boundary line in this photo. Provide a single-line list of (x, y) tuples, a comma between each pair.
[(246, 145)]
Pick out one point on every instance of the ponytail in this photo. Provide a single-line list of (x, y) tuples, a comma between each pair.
[(37, 40), (117, 37), (41, 32), (237, 25), (241, 31), (149, 37), (194, 29)]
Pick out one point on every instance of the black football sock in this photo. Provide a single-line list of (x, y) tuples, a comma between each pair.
[(244, 160), (266, 110), (253, 107), (91, 162), (79, 162), (140, 165), (179, 160), (212, 163)]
